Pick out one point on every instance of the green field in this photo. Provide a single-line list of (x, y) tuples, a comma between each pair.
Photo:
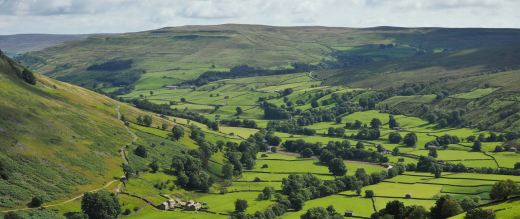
[(476, 93)]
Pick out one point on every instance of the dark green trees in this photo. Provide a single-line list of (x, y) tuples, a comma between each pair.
[(307, 153), (239, 110), (128, 170), (38, 200), (314, 104), (503, 189), (394, 137), (410, 139), (101, 205), (478, 213), (241, 205), (337, 167), (477, 146), (227, 170), (28, 77), (375, 123), (178, 132), (141, 151), (154, 166)]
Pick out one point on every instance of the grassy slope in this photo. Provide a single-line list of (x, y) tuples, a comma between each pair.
[(61, 142)]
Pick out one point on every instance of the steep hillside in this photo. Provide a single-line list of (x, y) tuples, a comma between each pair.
[(56, 139), (194, 49)]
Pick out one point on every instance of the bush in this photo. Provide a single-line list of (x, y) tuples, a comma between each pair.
[(369, 193), (499, 149), (127, 212)]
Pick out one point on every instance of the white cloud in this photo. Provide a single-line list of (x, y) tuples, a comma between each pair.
[(95, 16)]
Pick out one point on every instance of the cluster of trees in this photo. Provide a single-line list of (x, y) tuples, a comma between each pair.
[(145, 120), (26, 75), (289, 126), (419, 89), (277, 210), (124, 90), (321, 213), (244, 71), (237, 123), (492, 137), (244, 154), (119, 78), (444, 119), (271, 111), (444, 140), (339, 132), (112, 66)]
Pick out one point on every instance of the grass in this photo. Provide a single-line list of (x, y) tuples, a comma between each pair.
[(476, 93), (225, 203), (409, 179), (360, 206), (153, 213), (381, 202), (506, 209), (400, 190)]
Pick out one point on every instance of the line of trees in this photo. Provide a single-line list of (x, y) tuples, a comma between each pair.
[(112, 66)]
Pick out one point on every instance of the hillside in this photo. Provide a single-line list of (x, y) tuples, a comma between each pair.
[(18, 44), (57, 139), (194, 49)]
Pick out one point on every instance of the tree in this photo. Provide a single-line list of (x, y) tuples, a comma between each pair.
[(141, 151), (314, 104), (369, 193), (337, 167), (241, 205), (316, 213), (410, 139), (433, 153), (227, 170), (183, 179), (436, 211), (28, 76), (477, 146), (178, 132), (239, 110), (392, 123), (147, 120), (375, 123), (151, 93), (394, 137), (450, 208), (102, 205), (360, 145), (154, 166), (261, 196), (478, 213), (139, 119), (517, 166), (183, 99), (338, 119), (418, 212), (467, 203), (503, 189), (395, 152), (128, 170), (164, 126), (307, 153), (38, 200), (395, 208), (268, 192), (436, 169)]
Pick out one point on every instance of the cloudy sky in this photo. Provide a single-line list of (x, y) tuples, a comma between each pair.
[(118, 16)]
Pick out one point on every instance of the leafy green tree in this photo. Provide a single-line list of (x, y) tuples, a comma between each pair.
[(297, 202), (360, 145), (178, 132), (261, 196), (392, 123), (326, 156), (183, 179), (164, 126), (375, 123), (433, 153), (517, 166), (239, 110), (418, 212), (319, 213), (394, 137), (12, 215), (123, 117), (436, 211), (101, 205), (241, 205), (436, 169), (477, 146), (410, 139), (450, 208), (339, 119), (128, 170), (395, 208), (478, 213), (268, 192), (369, 193), (337, 167), (227, 170), (307, 153), (38, 200), (28, 76), (467, 203), (183, 99), (154, 166), (147, 120), (151, 93), (503, 189), (395, 152), (314, 104), (139, 119), (141, 151)]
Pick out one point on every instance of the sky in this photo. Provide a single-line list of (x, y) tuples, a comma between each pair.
[(120, 16)]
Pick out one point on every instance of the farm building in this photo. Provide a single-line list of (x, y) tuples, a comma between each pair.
[(263, 155), (172, 87), (291, 136), (440, 161), (384, 111), (164, 206), (192, 206), (431, 147), (400, 159), (226, 97), (266, 91), (265, 165), (397, 128), (359, 108), (348, 102), (257, 179), (408, 196), (512, 149), (231, 133), (490, 210), (222, 104), (349, 213), (172, 69)]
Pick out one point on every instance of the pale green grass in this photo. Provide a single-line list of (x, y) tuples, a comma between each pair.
[(152, 213), (360, 206), (381, 202), (253, 186), (225, 203), (250, 176), (484, 176), (506, 159), (400, 190), (476, 93), (511, 209), (459, 189), (409, 179), (453, 155)]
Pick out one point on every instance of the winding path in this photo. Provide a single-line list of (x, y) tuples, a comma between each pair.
[(109, 183)]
